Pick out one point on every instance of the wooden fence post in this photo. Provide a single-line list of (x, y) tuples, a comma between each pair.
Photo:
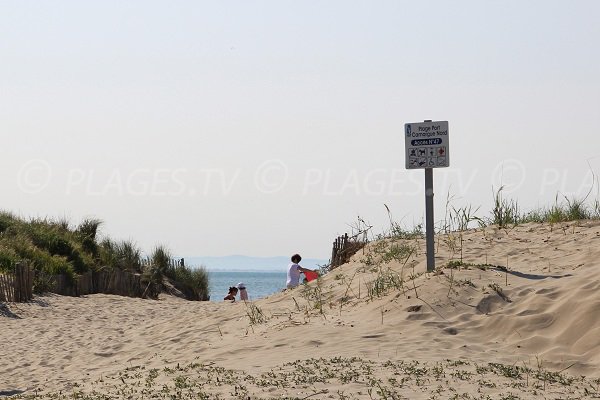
[(18, 286), (333, 255), (343, 248), (6, 288), (30, 276), (17, 283)]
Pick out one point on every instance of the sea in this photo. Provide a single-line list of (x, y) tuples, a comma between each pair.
[(258, 284)]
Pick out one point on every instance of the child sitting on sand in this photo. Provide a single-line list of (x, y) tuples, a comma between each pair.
[(243, 291), (232, 293)]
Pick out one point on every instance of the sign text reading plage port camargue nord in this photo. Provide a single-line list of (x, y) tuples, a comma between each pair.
[(427, 144)]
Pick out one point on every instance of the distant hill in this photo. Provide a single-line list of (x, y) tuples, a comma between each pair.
[(245, 263)]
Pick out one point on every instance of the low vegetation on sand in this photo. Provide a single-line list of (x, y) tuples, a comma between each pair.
[(54, 247), (335, 378)]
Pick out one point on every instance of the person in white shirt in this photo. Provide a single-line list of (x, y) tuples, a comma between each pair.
[(294, 270)]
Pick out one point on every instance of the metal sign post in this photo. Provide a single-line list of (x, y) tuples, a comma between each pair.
[(427, 147), (429, 229)]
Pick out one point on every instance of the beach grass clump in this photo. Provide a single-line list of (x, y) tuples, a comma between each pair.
[(87, 232), (496, 288), (397, 230), (162, 269), (192, 282), (399, 252), (505, 212), (576, 209), (456, 222), (129, 256), (313, 293), (124, 255), (255, 314), (385, 280), (159, 261), (387, 251)]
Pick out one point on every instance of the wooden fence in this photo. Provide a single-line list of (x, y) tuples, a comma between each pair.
[(116, 281), (17, 285), (344, 248)]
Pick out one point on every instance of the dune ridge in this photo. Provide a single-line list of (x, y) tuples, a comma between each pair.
[(525, 297)]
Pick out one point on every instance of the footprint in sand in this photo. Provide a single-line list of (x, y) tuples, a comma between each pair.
[(450, 330)]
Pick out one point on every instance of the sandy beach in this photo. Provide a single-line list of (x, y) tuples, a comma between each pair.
[(517, 317)]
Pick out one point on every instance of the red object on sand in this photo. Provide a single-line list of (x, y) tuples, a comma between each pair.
[(310, 275)]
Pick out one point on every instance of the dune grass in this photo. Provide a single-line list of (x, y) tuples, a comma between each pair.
[(162, 268), (54, 247), (507, 212)]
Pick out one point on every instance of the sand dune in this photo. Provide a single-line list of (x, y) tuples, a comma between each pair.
[(474, 323)]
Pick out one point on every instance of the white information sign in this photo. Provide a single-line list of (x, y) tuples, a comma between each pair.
[(427, 144)]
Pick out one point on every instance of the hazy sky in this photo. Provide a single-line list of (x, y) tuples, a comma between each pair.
[(265, 128)]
